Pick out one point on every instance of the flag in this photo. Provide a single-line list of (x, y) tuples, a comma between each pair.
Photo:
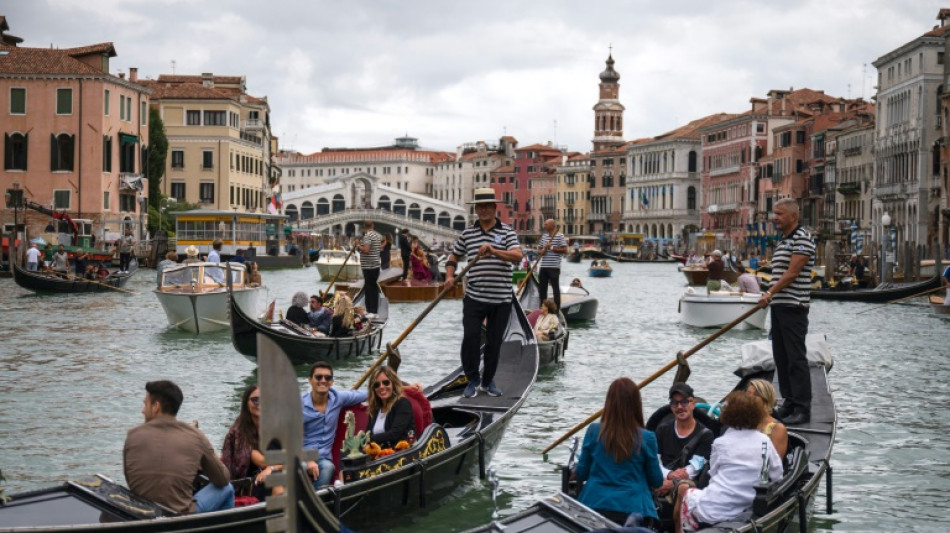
[(275, 202), (646, 203)]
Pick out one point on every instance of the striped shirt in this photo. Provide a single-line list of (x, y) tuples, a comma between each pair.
[(489, 281), (798, 243), (551, 259), (370, 259)]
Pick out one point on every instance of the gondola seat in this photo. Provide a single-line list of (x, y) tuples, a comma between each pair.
[(533, 317)]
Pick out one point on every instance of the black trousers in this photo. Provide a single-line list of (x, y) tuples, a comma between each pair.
[(789, 326), (405, 266), (371, 289), (496, 316), (125, 259), (552, 276)]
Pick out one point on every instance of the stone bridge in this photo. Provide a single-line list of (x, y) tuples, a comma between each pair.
[(349, 222)]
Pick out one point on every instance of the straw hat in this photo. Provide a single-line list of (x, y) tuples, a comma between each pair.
[(484, 195), (192, 251)]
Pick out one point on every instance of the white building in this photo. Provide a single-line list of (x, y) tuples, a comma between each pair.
[(454, 180)]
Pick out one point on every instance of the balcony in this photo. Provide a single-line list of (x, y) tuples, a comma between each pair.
[(893, 191), (253, 124), (255, 139), (854, 150), (596, 217), (723, 171), (850, 187), (722, 208)]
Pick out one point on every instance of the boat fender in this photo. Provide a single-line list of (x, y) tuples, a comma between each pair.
[(712, 410)]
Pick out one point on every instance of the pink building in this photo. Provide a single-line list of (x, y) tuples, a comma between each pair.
[(75, 137)]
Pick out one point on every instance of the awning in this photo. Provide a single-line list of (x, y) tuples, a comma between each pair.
[(127, 138), (131, 182)]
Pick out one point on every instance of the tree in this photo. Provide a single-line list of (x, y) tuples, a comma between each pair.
[(158, 150)]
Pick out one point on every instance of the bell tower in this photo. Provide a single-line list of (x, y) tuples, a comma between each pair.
[(608, 112)]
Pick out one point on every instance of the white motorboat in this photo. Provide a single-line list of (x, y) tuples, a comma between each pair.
[(330, 261), (195, 295), (719, 308), (577, 304)]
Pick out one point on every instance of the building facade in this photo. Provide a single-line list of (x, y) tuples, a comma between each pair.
[(850, 162), (608, 158), (454, 180), (572, 190), (75, 137), (513, 184)]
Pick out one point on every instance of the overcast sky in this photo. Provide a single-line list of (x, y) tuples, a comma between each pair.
[(361, 73)]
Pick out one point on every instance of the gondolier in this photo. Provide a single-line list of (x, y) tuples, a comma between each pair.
[(789, 297), (551, 246), (369, 247), (487, 289)]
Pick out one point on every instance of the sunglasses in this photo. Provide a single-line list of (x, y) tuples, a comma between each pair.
[(256, 400), (684, 403), (322, 377), (384, 383)]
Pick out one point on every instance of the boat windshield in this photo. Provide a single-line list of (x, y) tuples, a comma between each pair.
[(188, 275)]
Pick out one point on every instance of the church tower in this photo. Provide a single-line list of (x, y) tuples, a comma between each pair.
[(608, 113)]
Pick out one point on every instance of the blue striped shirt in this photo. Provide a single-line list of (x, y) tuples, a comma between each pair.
[(489, 281), (551, 259)]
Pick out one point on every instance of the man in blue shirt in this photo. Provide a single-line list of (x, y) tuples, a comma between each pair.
[(320, 317), (321, 411)]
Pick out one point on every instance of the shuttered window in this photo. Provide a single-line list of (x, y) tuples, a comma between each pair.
[(64, 101), (17, 101), (14, 151)]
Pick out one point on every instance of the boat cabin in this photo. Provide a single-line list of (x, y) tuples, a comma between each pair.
[(258, 234), (201, 277)]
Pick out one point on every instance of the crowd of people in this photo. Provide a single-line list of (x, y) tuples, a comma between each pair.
[(339, 319)]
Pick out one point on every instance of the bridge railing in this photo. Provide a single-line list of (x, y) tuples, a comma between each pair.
[(379, 215)]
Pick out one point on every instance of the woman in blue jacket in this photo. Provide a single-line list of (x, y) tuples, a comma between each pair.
[(619, 458)]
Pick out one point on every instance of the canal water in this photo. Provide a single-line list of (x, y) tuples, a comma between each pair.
[(73, 368)]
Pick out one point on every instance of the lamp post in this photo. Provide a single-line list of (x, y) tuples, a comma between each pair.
[(142, 201), (885, 250), (162, 210)]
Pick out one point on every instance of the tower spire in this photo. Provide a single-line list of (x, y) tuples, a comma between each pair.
[(608, 112)]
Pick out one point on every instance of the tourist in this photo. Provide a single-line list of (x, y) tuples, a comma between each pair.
[(789, 296), (386, 253), (618, 460), (191, 255), (771, 427), (390, 413), (754, 262), (716, 268), (125, 245), (238, 256), (253, 274), (369, 247), (33, 255), (321, 412), (241, 452), (748, 282), (551, 247), (576, 282), (79, 262), (91, 272), (360, 322), (546, 327), (320, 317), (342, 324), (684, 444), (735, 468), (162, 457), (487, 290), (405, 250), (171, 259), (420, 263), (60, 263), (297, 312), (214, 256)]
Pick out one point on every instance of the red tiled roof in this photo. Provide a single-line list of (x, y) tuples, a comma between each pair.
[(370, 155), (538, 148), (195, 91), (691, 130), (101, 48), (40, 61), (193, 78)]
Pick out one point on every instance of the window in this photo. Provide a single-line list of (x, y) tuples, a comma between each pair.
[(127, 202), (62, 151), (121, 107), (216, 118), (106, 201), (940, 58), (105, 102), (61, 199), (799, 137), (14, 151), (64, 101), (206, 192), (106, 153), (128, 113), (143, 112), (17, 101), (178, 190), (178, 159), (691, 198), (193, 118), (126, 153), (207, 159)]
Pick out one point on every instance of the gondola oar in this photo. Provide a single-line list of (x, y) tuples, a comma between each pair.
[(94, 282), (323, 295), (902, 299), (391, 346), (659, 373)]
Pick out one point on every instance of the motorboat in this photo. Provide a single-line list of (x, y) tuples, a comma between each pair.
[(331, 261), (600, 269), (719, 308), (577, 304), (195, 295)]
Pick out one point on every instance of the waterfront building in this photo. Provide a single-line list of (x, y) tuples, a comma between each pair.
[(571, 189), (454, 180), (512, 184), (910, 82), (75, 137), (849, 164), (608, 158), (219, 141), (403, 166), (663, 181)]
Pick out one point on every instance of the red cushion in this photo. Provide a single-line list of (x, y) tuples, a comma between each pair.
[(533, 317), (421, 409)]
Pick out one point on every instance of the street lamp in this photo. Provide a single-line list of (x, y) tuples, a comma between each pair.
[(885, 256), (162, 210)]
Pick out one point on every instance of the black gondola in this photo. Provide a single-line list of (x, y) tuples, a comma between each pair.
[(39, 282), (553, 350), (886, 292), (301, 346), (779, 507)]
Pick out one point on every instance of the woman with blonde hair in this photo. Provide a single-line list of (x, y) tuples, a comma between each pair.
[(390, 412), (772, 428), (342, 325)]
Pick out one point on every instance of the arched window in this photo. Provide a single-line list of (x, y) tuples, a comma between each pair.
[(339, 204), (691, 198), (444, 219), (306, 211), (692, 161), (384, 203), (428, 215), (458, 223), (291, 211), (323, 206), (415, 212), (399, 207), (14, 153), (62, 152)]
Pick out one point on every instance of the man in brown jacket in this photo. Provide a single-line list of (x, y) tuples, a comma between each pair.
[(162, 457)]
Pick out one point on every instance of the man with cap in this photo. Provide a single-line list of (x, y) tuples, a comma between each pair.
[(684, 444), (716, 268), (551, 246), (487, 289)]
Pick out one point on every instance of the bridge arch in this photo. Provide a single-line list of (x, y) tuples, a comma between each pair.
[(444, 219), (384, 203), (399, 207), (323, 206), (414, 211), (306, 210), (428, 215), (458, 223), (339, 204), (291, 211)]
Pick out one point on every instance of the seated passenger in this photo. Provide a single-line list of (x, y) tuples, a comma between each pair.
[(91, 272), (618, 459), (748, 283), (771, 427), (390, 413), (547, 325), (297, 313), (735, 465), (684, 444), (576, 282), (253, 274), (320, 317), (171, 259), (419, 262), (342, 323), (241, 451), (321, 412), (360, 322)]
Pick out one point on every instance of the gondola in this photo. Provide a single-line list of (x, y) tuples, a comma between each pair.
[(883, 293), (553, 350), (300, 345), (779, 507), (938, 306), (574, 257), (45, 283)]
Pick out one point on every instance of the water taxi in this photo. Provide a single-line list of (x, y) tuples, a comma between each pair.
[(258, 234)]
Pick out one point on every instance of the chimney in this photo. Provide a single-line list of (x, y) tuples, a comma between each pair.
[(207, 79), (121, 75), (133, 74)]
